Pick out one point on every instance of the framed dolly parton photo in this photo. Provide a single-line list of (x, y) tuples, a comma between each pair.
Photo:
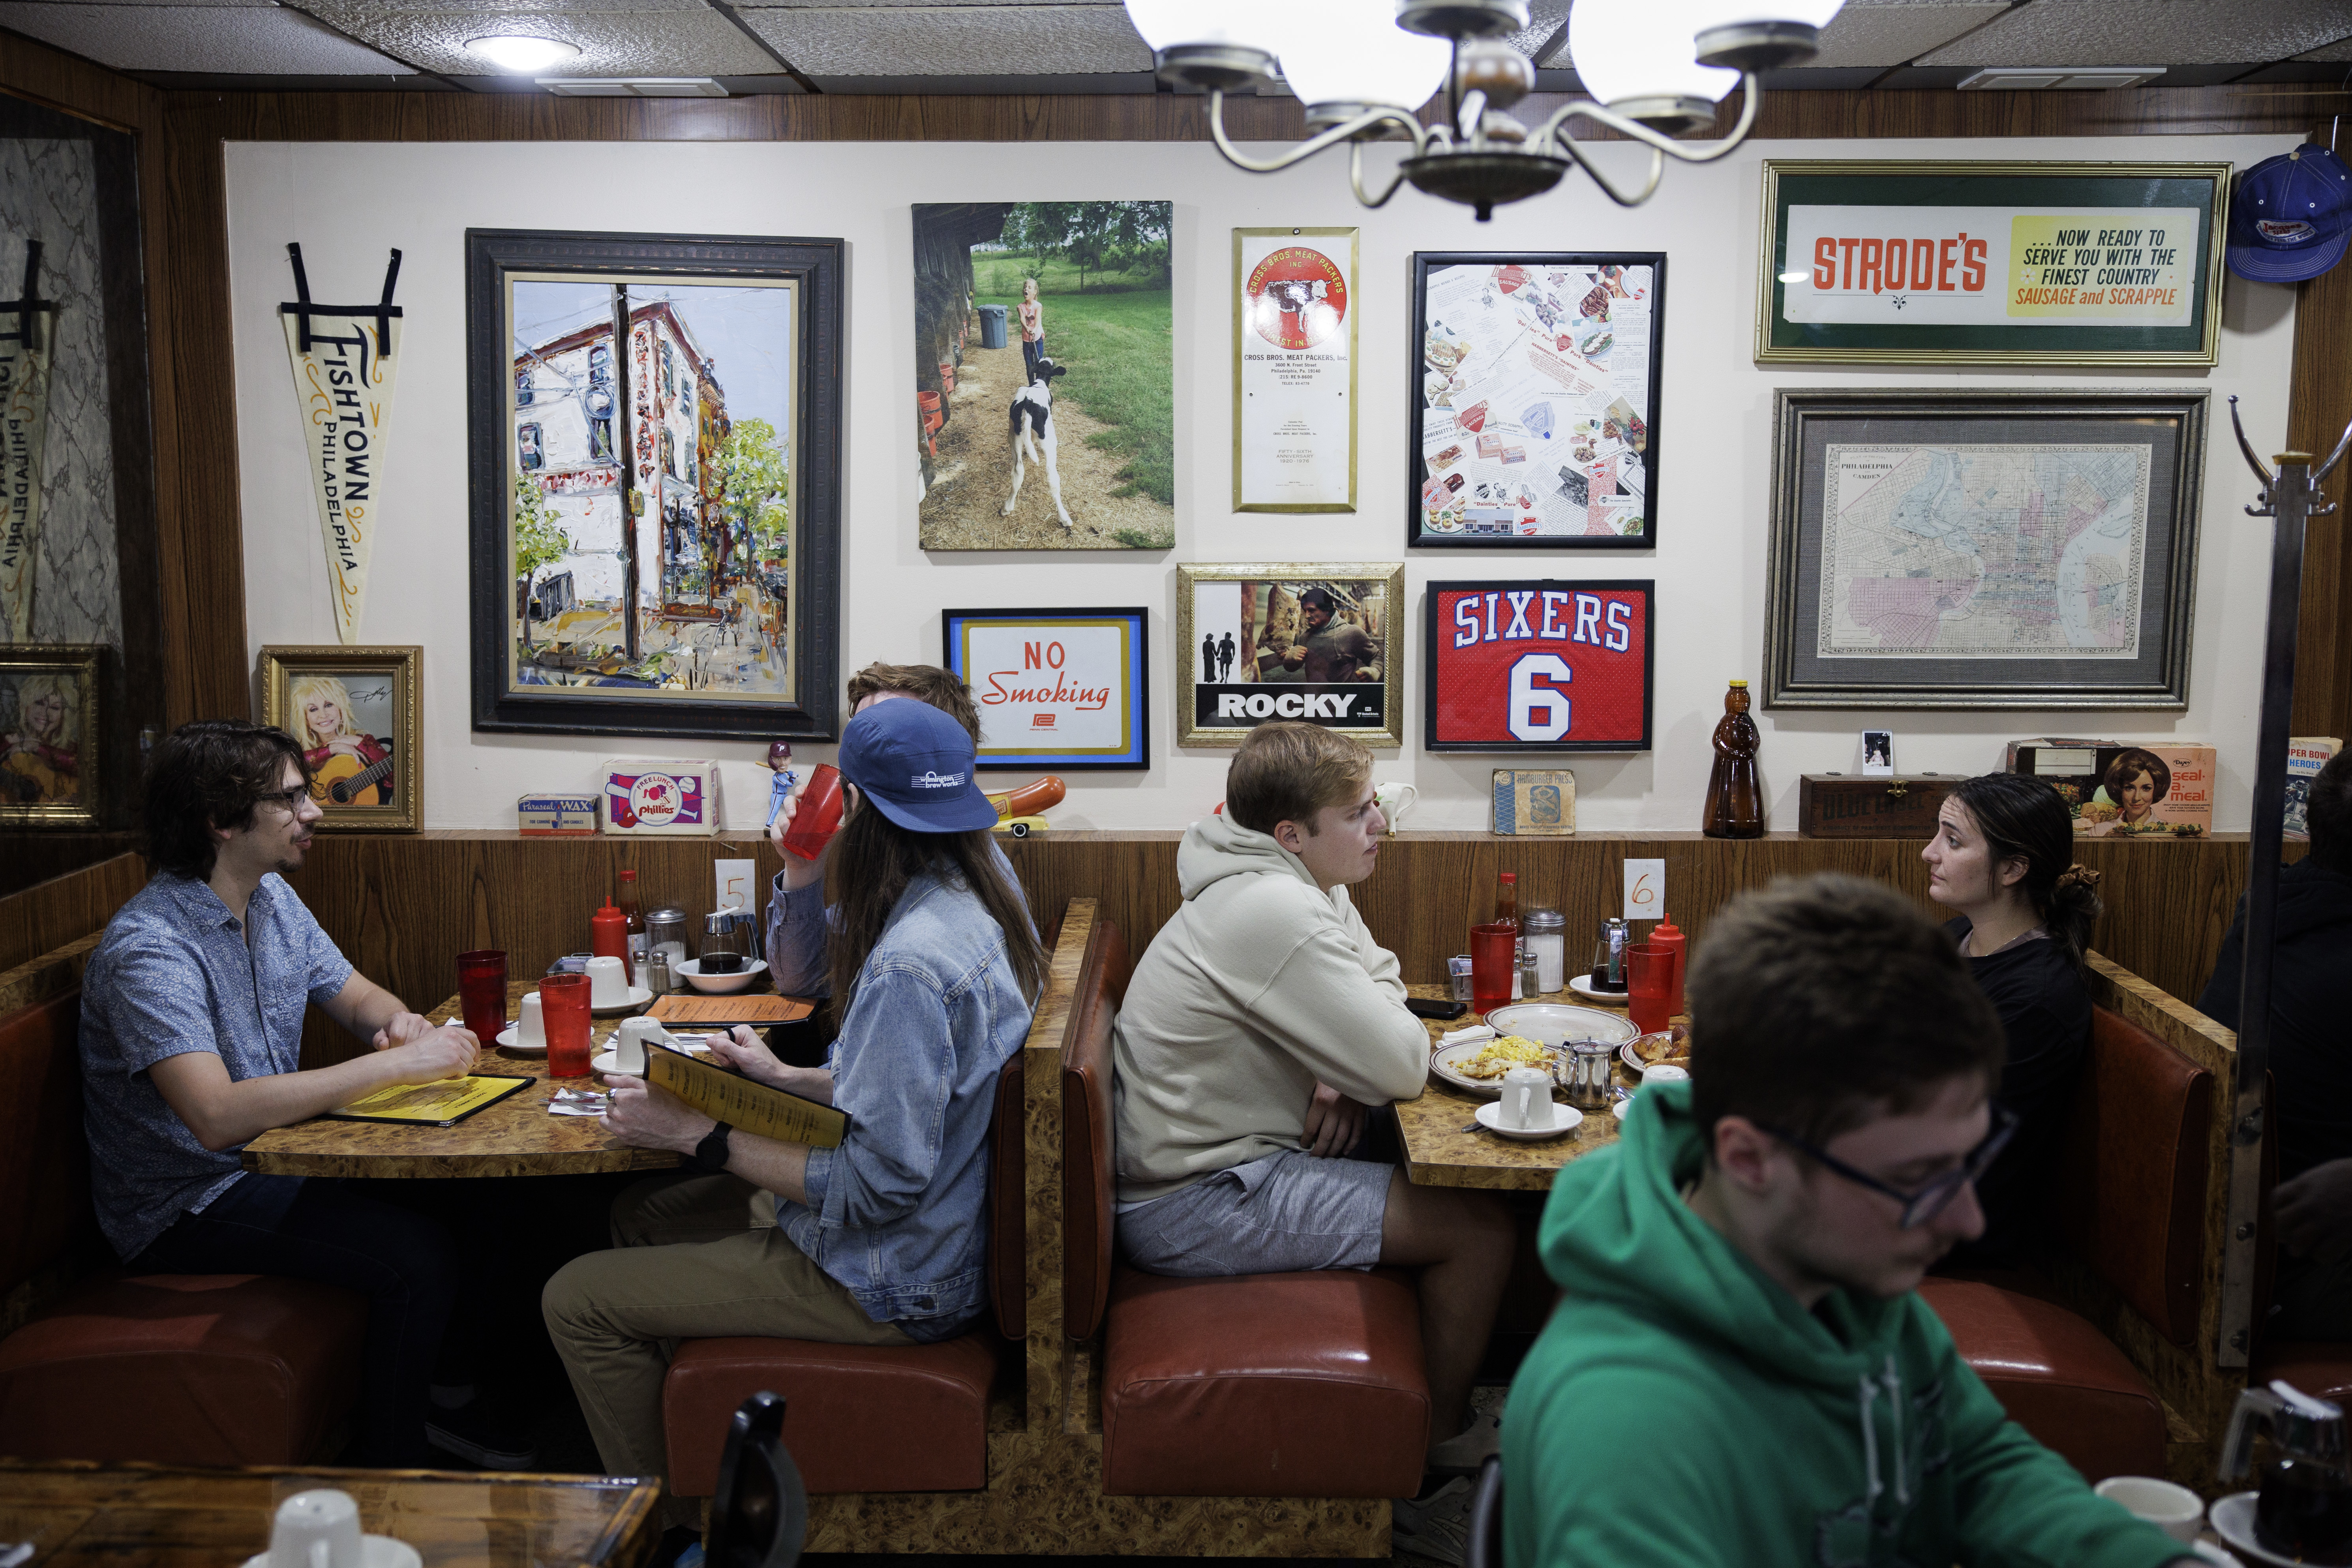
[(358, 715), (1966, 548), (1056, 688), (1521, 665), (1535, 400), (52, 735), (1320, 642), (655, 472), (1990, 263)]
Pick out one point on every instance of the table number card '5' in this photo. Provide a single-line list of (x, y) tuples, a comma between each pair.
[(743, 1103)]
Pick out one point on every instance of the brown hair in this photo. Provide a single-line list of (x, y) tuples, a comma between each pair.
[(206, 776), (1286, 772), (2137, 759), (872, 861), (925, 682), (2022, 818), (1818, 1002)]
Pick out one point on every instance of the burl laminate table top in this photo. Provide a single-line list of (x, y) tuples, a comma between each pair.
[(141, 1516), (1438, 1153), (516, 1137)]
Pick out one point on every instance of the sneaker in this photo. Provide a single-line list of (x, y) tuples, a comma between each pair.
[(1436, 1527), (1462, 1454), (472, 1434)]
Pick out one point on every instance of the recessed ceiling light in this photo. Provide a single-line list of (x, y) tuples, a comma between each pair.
[(515, 53)]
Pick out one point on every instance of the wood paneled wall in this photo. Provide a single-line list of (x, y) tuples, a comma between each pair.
[(47, 917), (404, 908)]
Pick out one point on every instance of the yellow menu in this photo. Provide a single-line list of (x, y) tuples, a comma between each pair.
[(764, 1008), (739, 1101), (442, 1103)]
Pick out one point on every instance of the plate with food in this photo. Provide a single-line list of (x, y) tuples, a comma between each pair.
[(1476, 1067), (1667, 1048), (1557, 1023)]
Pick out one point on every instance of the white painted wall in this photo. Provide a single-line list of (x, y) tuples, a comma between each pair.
[(348, 202)]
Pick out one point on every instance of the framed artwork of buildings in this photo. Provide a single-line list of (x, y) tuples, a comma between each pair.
[(654, 477), (1062, 689)]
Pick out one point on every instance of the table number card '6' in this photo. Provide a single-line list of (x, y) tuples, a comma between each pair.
[(1645, 889)]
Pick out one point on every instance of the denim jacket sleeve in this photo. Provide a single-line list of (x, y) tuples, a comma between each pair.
[(894, 1074), (795, 940)]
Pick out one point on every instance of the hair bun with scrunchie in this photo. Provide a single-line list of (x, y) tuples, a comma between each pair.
[(2079, 876)]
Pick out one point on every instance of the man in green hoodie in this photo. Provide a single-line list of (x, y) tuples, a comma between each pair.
[(1738, 1342)]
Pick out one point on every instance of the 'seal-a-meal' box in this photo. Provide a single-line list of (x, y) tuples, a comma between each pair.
[(657, 796), (556, 815), (2121, 789)]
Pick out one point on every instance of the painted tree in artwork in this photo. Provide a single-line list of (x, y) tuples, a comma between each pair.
[(756, 489), (539, 542)]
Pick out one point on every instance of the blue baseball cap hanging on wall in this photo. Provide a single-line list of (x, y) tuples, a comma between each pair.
[(2290, 217)]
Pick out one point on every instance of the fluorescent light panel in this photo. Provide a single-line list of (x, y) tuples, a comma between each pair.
[(2036, 79), (632, 86)]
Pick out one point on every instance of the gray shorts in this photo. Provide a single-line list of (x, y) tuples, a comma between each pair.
[(1288, 1211)]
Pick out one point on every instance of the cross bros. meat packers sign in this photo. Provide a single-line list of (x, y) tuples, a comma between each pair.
[(1527, 666)]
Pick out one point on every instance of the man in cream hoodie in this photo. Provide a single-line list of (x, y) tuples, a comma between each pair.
[(1259, 1027)]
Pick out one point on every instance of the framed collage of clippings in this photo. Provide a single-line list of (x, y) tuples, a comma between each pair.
[(1319, 642), (1535, 405), (1294, 370)]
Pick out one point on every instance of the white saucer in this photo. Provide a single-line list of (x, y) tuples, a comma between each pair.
[(639, 996), (507, 1042), (375, 1552), (609, 1064), (2232, 1519), (1564, 1119), (1582, 986)]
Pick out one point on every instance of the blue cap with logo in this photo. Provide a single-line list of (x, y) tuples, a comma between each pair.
[(915, 764), (2292, 217)]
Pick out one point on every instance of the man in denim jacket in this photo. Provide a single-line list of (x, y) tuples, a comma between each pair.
[(883, 1240)]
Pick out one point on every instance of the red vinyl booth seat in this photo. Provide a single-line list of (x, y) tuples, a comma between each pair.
[(2321, 1368), (231, 1369), (1308, 1385)]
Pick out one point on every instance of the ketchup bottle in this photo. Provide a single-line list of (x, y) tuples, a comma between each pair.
[(608, 933), (1665, 934)]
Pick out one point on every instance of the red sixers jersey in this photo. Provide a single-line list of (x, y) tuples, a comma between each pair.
[(1527, 665)]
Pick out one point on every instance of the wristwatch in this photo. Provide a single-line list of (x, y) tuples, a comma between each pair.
[(710, 1156)]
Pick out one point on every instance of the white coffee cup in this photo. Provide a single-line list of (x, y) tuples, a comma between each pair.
[(1394, 799), (608, 983), (2174, 1509), (1526, 1105), (632, 1039), (317, 1529), (1665, 1072), (530, 1024)]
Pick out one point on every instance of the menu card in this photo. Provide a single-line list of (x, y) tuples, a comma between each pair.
[(725, 1012)]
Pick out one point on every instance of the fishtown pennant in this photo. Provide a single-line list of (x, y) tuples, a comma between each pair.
[(28, 341), (344, 359)]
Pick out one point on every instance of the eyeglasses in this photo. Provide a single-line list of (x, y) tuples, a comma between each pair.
[(1929, 1201), (287, 800)]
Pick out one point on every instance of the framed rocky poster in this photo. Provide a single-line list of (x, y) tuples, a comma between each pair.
[(1313, 642), (1294, 370), (1535, 400)]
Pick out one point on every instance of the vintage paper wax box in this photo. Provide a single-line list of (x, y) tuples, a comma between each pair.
[(650, 795), (556, 815)]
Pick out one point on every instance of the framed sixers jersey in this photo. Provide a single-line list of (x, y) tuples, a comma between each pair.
[(1521, 665)]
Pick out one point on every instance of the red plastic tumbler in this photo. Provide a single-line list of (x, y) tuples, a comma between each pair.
[(1650, 986), (563, 1004), (818, 818), (482, 994), (1493, 956)]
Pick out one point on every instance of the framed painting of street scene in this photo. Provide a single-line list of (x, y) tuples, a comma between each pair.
[(1044, 413), (51, 735), (655, 432), (358, 715), (1314, 642)]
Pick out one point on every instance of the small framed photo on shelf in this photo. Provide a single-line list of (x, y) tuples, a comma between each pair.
[(358, 715), (1971, 547), (1294, 370), (1064, 689), (1535, 399), (51, 737), (1878, 754), (1316, 642), (1515, 665)]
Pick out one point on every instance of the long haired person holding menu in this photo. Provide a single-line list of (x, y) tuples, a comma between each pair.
[(924, 943)]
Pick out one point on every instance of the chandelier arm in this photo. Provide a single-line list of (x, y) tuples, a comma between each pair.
[(1751, 98), (1575, 150), (1356, 178), (1345, 132)]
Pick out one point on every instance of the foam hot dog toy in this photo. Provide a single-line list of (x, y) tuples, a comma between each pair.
[(1016, 809)]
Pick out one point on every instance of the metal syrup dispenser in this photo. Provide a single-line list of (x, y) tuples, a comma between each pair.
[(2305, 1507)]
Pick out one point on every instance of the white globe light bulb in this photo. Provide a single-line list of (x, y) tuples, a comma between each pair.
[(1628, 50), (510, 52), (1352, 52)]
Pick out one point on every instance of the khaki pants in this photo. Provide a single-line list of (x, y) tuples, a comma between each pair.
[(699, 1257)]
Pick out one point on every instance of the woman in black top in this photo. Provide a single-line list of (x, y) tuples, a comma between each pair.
[(2002, 860)]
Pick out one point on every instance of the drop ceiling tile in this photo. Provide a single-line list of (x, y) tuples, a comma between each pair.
[(237, 40), (2149, 33), (2341, 49), (916, 5), (699, 42), (337, 10), (1894, 35), (953, 40)]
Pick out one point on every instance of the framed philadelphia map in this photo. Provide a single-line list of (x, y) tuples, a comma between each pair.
[(1940, 548)]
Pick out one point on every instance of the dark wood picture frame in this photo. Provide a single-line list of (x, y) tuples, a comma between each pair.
[(812, 630), (2171, 424), (1437, 642), (1557, 447)]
